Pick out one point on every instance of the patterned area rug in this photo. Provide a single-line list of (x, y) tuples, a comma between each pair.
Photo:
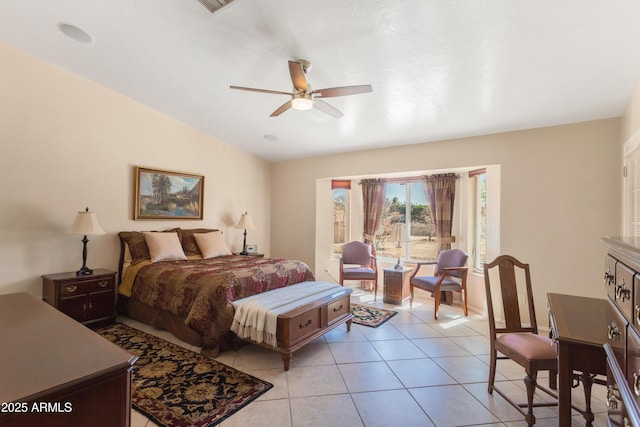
[(177, 387), (370, 316)]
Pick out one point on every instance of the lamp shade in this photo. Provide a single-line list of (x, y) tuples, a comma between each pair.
[(86, 223), (398, 233), (245, 222)]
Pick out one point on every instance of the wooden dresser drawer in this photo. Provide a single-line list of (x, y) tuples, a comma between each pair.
[(617, 333), (299, 327), (337, 309), (624, 289), (633, 363)]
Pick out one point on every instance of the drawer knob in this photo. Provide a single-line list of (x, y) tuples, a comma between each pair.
[(337, 309), (72, 288), (622, 292), (608, 277), (301, 326), (612, 332), (636, 384), (637, 308), (612, 402), (104, 283)]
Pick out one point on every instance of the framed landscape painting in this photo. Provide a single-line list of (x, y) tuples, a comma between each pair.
[(167, 195)]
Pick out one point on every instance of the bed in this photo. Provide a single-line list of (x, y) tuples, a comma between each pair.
[(190, 291)]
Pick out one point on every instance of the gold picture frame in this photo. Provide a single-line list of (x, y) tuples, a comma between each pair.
[(161, 194)]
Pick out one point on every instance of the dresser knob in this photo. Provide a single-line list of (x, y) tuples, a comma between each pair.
[(612, 332), (104, 283), (608, 277), (612, 402), (636, 384), (72, 288)]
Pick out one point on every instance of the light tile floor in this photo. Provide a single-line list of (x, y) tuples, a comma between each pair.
[(411, 371)]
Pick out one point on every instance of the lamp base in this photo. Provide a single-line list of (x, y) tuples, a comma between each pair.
[(84, 271), (398, 266)]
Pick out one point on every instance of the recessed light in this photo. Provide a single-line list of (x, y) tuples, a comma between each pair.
[(271, 138), (78, 34)]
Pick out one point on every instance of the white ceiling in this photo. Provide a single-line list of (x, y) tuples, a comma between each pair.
[(439, 69)]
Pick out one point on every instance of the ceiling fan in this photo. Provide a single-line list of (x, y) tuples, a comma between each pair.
[(303, 97)]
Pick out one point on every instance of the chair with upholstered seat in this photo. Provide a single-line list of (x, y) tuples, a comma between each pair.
[(358, 263), (450, 274), (516, 337)]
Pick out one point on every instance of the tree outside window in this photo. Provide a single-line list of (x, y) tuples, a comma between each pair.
[(406, 203)]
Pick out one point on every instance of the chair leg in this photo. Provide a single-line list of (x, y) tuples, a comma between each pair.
[(410, 296), (375, 290), (437, 304), (492, 370), (530, 382), (464, 302)]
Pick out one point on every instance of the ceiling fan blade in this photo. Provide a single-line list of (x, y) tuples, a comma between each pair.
[(342, 91), (281, 109), (297, 76), (326, 108), (250, 89)]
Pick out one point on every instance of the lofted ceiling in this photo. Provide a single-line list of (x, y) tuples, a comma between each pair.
[(439, 69)]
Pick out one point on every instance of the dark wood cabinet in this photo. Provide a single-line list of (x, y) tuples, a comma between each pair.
[(57, 373), (396, 285), (622, 280), (89, 299)]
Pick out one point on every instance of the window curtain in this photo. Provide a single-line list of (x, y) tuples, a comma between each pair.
[(441, 192), (373, 197)]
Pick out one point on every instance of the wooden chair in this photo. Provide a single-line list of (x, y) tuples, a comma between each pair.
[(450, 275), (518, 340), (358, 263)]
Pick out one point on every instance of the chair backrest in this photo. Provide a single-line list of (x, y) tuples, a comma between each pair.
[(451, 258), (356, 253), (511, 273)]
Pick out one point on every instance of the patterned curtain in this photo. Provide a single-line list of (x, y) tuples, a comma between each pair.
[(373, 196), (441, 192)]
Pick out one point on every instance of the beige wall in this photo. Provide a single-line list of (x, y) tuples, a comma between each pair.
[(67, 143), (559, 193)]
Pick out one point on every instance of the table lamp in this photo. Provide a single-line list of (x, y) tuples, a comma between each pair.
[(86, 223), (247, 224), (398, 235)]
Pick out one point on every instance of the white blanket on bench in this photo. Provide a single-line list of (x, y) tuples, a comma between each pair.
[(256, 317)]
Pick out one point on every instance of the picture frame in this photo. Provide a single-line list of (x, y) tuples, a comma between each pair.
[(162, 194), (252, 249)]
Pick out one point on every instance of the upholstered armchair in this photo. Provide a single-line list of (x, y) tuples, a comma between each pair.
[(358, 263), (450, 275)]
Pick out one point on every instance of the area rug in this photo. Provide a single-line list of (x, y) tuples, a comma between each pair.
[(174, 386), (370, 316)]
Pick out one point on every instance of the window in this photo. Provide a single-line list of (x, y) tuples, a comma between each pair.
[(340, 218), (480, 217), (406, 202)]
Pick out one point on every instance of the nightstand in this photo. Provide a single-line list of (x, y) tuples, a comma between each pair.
[(396, 286), (251, 254), (89, 299)]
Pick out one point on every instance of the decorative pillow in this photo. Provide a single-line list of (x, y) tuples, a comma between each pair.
[(164, 246), (189, 243), (212, 244), (138, 245)]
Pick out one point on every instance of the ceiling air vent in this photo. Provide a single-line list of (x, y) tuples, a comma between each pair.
[(214, 5)]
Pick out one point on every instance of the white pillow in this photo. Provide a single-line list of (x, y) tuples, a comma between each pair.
[(211, 244), (164, 246)]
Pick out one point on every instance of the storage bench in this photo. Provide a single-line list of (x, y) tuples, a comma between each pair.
[(303, 324)]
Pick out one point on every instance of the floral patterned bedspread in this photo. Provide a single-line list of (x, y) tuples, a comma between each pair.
[(201, 290)]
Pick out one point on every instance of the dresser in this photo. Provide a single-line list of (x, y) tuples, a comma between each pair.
[(622, 281), (56, 372), (89, 299)]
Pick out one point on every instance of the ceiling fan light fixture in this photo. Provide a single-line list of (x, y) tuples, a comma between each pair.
[(302, 102)]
